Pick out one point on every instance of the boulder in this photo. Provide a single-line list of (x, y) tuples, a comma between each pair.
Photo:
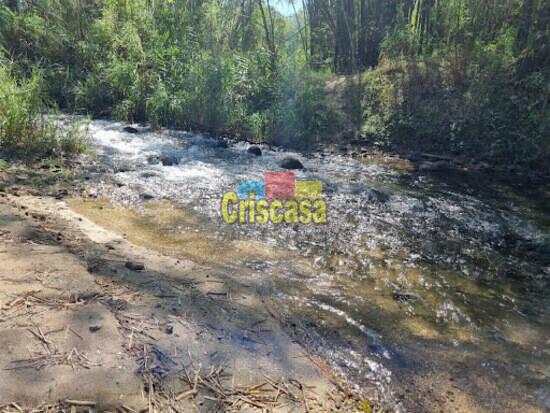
[(169, 160), (291, 163), (254, 150), (129, 129)]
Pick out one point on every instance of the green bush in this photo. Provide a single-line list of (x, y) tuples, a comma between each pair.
[(27, 127)]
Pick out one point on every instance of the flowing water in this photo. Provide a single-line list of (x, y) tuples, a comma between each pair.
[(440, 294)]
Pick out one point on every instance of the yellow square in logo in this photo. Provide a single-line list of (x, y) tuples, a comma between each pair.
[(309, 189)]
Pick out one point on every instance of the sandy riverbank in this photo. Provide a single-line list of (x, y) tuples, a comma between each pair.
[(76, 323)]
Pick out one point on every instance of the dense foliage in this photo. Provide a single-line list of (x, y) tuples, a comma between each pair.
[(219, 67), (466, 77), (26, 127)]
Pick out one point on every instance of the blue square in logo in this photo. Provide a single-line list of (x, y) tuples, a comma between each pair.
[(246, 187)]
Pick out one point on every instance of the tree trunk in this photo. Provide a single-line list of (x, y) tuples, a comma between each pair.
[(268, 36)]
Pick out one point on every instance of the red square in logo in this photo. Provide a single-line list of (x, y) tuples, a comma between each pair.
[(280, 185)]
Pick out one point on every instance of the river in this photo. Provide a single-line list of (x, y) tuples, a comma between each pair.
[(437, 299)]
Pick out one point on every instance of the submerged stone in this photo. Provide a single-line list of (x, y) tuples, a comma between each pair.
[(147, 197), (167, 160), (129, 129), (153, 159), (291, 163), (135, 265), (254, 150), (373, 195)]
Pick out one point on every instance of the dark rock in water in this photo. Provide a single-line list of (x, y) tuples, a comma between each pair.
[(405, 296), (167, 160), (124, 167), (169, 329), (415, 157), (119, 183), (374, 195), (94, 329), (135, 266), (148, 174), (129, 129), (147, 197), (153, 159), (62, 193), (437, 166), (254, 150), (291, 163)]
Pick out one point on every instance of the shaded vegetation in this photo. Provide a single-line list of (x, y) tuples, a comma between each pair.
[(463, 77), (26, 127), (182, 64)]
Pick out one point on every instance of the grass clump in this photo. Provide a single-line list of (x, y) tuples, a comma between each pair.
[(28, 127)]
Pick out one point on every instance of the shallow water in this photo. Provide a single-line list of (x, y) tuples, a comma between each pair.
[(441, 295)]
